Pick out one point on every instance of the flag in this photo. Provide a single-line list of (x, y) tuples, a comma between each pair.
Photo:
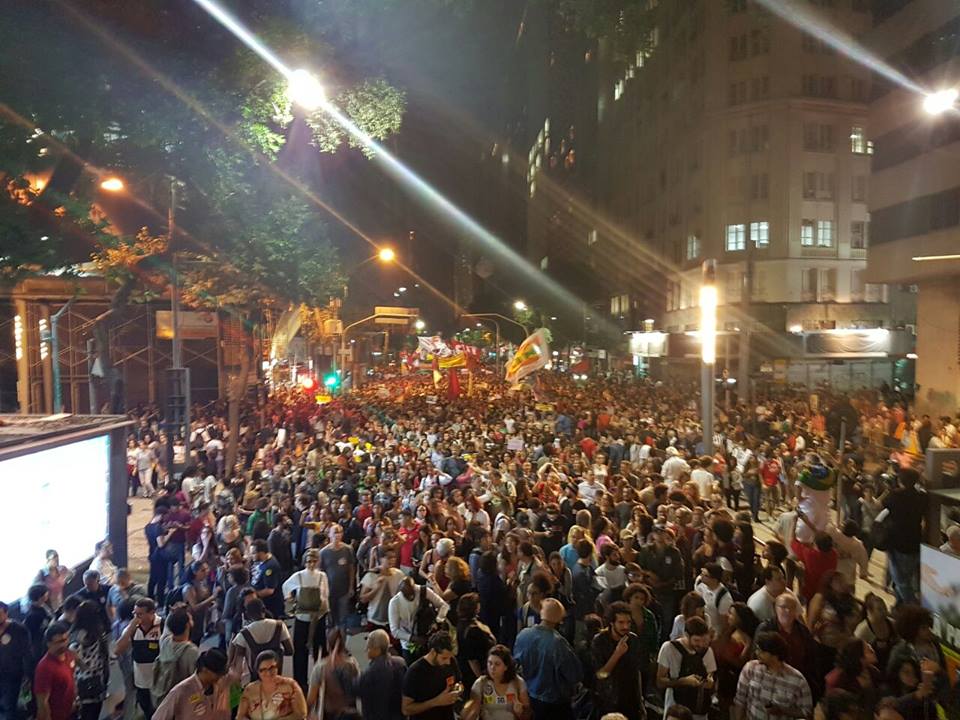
[(436, 372), (453, 361), (533, 354), (469, 382), (453, 386), (433, 345)]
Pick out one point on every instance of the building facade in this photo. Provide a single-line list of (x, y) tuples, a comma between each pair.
[(731, 133), (915, 186)]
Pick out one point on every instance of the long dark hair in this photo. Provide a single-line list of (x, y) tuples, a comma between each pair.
[(90, 620)]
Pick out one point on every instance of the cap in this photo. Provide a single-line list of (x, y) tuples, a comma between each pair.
[(671, 450)]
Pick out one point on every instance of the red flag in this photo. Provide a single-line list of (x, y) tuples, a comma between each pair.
[(453, 387)]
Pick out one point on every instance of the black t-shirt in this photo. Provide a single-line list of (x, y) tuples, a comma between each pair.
[(98, 596), (624, 680), (15, 652), (908, 507), (425, 681), (473, 643)]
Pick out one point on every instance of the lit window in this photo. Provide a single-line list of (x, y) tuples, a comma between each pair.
[(693, 247), (592, 237), (859, 143), (807, 231), (736, 237), (824, 233), (760, 233), (545, 262)]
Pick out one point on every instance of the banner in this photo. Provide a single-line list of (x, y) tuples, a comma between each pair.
[(939, 585), (453, 361), (532, 355), (193, 325)]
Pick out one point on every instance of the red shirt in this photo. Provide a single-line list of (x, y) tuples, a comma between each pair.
[(816, 564), (589, 446), (408, 538), (54, 677), (771, 472)]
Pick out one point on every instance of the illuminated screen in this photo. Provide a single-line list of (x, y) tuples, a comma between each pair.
[(56, 499)]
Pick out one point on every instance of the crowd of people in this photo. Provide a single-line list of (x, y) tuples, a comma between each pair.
[(564, 550)]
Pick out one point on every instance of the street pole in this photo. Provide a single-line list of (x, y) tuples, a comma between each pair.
[(91, 387), (176, 352), (708, 350), (55, 356)]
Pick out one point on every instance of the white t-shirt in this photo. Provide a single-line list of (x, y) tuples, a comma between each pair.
[(718, 603), (378, 606), (704, 480), (671, 659), (763, 605), (307, 578), (785, 528), (589, 493)]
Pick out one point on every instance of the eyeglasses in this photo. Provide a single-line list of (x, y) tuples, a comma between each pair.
[(267, 669)]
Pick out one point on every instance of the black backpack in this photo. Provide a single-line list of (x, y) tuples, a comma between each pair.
[(425, 618), (254, 648), (696, 699)]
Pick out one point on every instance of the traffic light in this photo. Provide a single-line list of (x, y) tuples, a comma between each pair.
[(331, 380), (308, 383)]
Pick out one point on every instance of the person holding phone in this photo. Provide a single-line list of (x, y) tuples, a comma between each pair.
[(619, 657), (768, 687), (432, 687)]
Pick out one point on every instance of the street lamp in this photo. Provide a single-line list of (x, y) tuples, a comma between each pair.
[(112, 184), (708, 349), (420, 325), (305, 90), (937, 103), (387, 254), (519, 305)]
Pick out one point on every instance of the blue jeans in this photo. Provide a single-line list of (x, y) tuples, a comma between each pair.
[(174, 552), (905, 573)]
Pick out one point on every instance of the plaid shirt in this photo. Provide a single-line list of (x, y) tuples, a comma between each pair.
[(759, 687)]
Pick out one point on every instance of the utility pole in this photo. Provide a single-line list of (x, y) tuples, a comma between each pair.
[(177, 413)]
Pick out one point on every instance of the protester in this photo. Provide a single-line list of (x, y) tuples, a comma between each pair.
[(380, 686)]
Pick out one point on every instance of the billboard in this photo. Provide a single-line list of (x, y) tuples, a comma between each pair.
[(940, 594), (62, 504), (193, 325)]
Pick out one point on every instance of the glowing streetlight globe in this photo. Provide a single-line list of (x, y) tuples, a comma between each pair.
[(520, 305), (937, 103), (112, 184), (387, 254), (305, 90), (420, 325)]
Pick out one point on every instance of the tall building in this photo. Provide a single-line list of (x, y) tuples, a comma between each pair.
[(915, 185), (732, 134)]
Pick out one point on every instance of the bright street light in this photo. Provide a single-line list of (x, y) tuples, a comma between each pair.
[(387, 254), (401, 289), (420, 325), (708, 350), (305, 90), (937, 103), (519, 305), (112, 184)]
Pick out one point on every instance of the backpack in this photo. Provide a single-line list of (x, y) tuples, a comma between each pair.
[(719, 596), (165, 676), (424, 619), (175, 595), (695, 699), (254, 648)]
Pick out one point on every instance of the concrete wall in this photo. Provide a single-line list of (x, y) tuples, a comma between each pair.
[(938, 347)]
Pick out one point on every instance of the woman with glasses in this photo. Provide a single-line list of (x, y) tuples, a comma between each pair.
[(272, 697)]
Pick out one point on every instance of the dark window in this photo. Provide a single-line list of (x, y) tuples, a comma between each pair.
[(918, 216)]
